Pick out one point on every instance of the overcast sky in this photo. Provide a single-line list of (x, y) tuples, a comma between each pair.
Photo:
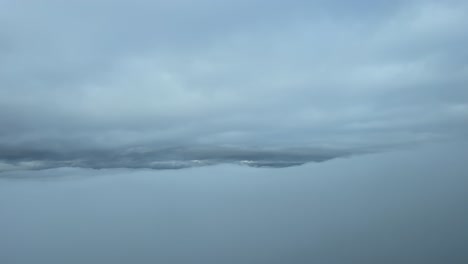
[(401, 207), (349, 120), (81, 79)]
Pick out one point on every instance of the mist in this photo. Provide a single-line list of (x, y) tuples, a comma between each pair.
[(225, 132), (404, 206)]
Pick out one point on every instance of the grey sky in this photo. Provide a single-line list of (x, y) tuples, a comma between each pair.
[(113, 76), (405, 207), (103, 101)]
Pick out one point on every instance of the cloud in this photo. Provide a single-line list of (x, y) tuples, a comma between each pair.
[(165, 158), (87, 77)]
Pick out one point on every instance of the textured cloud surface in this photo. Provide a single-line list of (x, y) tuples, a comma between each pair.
[(167, 158), (265, 83)]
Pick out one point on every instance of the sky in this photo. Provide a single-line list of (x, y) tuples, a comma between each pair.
[(264, 82), (246, 131), (405, 206)]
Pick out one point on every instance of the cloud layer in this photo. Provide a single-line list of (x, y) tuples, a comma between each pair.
[(236, 77), (166, 158)]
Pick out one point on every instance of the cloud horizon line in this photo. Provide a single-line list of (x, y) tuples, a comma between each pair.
[(167, 158)]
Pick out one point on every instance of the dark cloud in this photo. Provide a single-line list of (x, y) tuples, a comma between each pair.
[(165, 158)]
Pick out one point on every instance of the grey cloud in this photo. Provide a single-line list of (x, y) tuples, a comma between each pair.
[(166, 158), (99, 75)]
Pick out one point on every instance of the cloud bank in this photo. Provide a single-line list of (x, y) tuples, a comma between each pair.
[(264, 83), (167, 158)]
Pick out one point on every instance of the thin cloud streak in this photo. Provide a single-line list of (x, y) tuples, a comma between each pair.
[(168, 158)]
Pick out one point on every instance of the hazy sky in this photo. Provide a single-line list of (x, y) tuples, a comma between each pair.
[(403, 207), (100, 98), (114, 79)]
